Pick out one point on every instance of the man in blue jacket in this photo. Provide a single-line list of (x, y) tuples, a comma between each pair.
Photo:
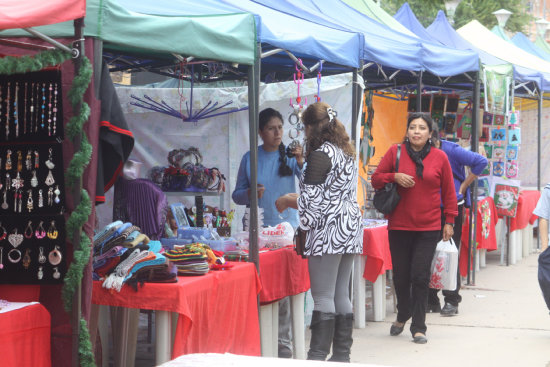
[(459, 159)]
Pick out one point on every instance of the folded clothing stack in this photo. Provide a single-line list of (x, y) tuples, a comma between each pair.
[(196, 259), (122, 254)]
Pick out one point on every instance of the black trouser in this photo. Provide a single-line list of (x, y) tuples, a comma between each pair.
[(412, 253), (451, 297)]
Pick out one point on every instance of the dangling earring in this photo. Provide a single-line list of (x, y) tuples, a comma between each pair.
[(430, 141)]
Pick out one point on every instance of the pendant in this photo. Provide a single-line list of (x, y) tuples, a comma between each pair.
[(40, 199), (55, 256), (1, 258), (27, 259), (15, 239), (49, 179), (5, 203), (56, 273), (57, 192), (40, 273), (18, 182), (34, 180), (41, 257), (49, 162)]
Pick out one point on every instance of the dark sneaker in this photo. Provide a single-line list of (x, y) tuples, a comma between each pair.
[(433, 308), (449, 310)]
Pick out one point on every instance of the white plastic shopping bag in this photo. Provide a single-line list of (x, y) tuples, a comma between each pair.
[(444, 266)]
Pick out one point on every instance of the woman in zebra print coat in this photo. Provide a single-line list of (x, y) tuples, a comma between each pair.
[(329, 212)]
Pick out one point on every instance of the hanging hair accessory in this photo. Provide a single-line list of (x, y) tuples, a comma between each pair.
[(318, 95), (331, 114)]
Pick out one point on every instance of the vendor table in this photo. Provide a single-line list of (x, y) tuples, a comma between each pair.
[(372, 266), (217, 313), (521, 229), (25, 337), (282, 274), (486, 236)]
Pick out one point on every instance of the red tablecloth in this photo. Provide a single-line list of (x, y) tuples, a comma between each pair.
[(376, 247), (485, 231), (218, 311), (25, 337), (282, 273), (526, 204)]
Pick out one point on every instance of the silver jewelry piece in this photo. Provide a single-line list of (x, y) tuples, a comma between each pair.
[(49, 179), (40, 273), (34, 180)]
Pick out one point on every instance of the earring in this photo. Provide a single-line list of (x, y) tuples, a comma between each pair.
[(28, 160), (49, 162), (57, 192), (52, 231), (49, 179), (40, 199), (8, 160), (28, 230), (34, 180), (30, 203), (27, 258), (41, 257), (56, 273), (40, 273), (4, 232), (40, 233)]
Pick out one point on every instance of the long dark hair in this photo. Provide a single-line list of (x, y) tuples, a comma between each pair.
[(265, 116), (322, 129)]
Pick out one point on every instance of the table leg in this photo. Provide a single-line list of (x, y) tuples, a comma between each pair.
[(163, 331), (483, 257), (133, 326), (298, 325), (266, 330), (275, 329), (477, 260), (103, 330), (379, 298), (525, 241), (512, 256), (122, 321), (359, 291)]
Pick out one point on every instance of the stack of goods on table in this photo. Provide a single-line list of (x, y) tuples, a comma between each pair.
[(122, 254), (196, 259)]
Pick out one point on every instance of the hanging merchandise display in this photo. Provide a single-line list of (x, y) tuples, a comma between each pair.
[(31, 132), (297, 129)]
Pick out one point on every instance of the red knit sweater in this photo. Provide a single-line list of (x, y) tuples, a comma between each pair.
[(420, 206)]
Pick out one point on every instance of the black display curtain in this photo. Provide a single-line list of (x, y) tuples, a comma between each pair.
[(50, 295)]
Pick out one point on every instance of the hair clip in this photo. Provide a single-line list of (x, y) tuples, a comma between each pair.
[(331, 114)]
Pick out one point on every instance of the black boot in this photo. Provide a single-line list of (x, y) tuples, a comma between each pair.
[(342, 341), (322, 331)]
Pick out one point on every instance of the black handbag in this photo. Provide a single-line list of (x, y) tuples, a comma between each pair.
[(386, 199), (300, 242)]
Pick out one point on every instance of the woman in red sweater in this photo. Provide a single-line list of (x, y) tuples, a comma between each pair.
[(424, 181)]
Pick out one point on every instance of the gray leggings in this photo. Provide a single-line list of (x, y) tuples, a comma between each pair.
[(330, 278)]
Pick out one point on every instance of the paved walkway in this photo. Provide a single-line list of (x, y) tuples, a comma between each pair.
[(502, 321)]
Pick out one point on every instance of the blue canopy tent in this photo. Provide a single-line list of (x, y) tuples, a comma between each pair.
[(406, 17)]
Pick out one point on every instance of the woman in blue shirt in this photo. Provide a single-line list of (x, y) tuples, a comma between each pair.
[(276, 177)]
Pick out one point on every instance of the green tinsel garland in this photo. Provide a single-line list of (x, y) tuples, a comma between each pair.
[(26, 64)]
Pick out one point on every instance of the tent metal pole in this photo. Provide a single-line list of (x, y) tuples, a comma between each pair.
[(419, 93), (539, 129), (473, 192), (539, 150), (355, 103), (77, 297), (253, 105), (50, 40)]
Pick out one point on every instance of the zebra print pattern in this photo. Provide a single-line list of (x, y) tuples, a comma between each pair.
[(329, 211)]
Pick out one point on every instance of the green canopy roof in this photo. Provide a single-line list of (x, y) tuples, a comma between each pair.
[(373, 11), (542, 44), (224, 37)]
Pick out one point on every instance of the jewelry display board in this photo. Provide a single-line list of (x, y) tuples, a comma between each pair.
[(32, 189)]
